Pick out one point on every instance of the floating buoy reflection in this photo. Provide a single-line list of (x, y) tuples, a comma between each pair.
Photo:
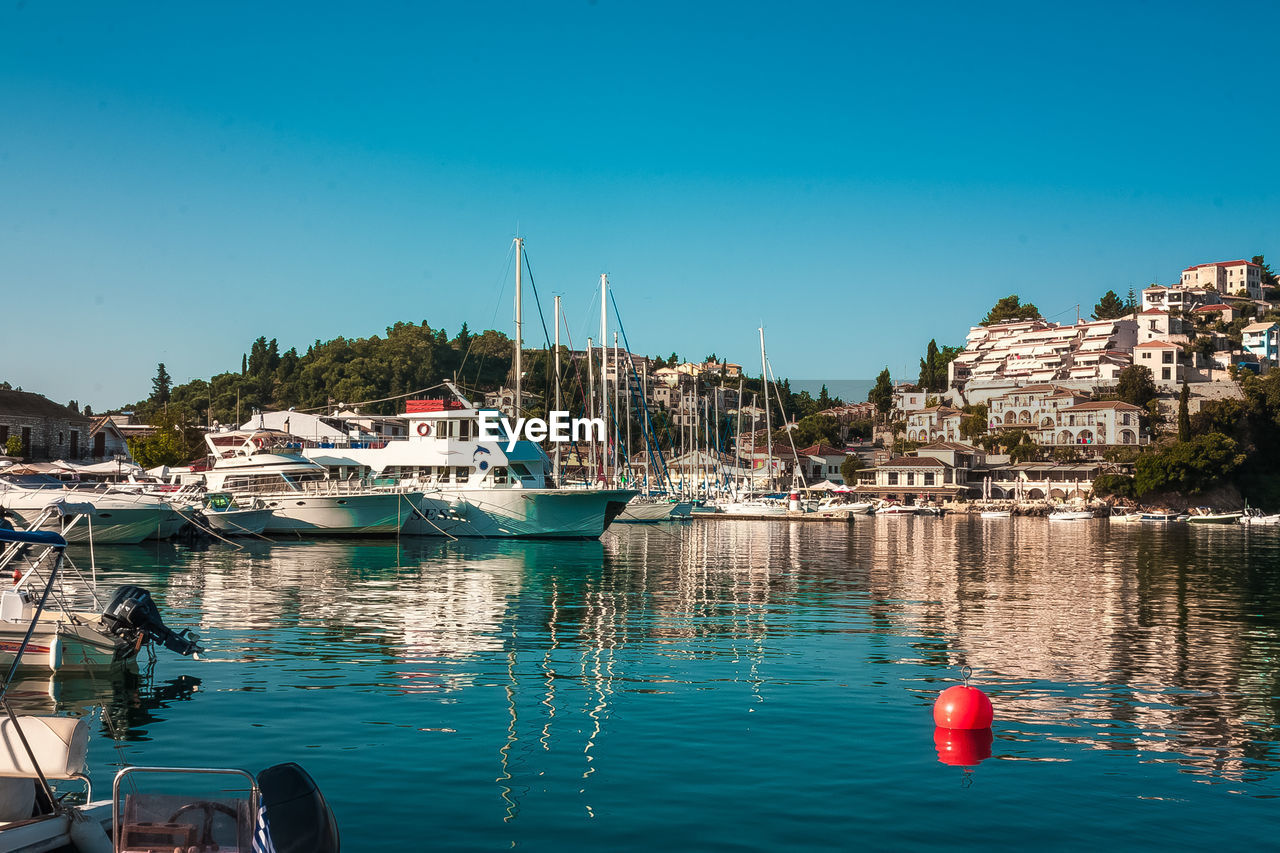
[(963, 747)]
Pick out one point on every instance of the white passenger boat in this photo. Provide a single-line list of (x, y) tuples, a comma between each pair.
[(469, 486), (260, 467), (996, 513), (753, 506), (1070, 515), (897, 509)]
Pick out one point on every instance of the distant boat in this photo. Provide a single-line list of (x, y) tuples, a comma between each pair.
[(896, 509), (996, 513), (1209, 517), (1125, 516), (231, 518), (1159, 517), (1251, 517), (1070, 515)]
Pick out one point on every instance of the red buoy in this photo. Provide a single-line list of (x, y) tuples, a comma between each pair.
[(963, 747), (963, 707)]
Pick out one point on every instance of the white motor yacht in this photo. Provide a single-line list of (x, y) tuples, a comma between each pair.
[(469, 486), (260, 467), (116, 517)]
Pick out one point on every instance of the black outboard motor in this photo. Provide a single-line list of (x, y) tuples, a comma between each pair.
[(132, 612), (297, 818)]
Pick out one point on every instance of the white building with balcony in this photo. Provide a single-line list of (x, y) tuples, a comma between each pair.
[(1225, 277), (1098, 423)]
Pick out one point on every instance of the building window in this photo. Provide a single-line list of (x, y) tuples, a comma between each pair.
[(1164, 373), (911, 479), (1167, 358), (928, 479), (893, 478)]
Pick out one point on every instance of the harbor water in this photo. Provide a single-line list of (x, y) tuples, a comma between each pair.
[(746, 686)]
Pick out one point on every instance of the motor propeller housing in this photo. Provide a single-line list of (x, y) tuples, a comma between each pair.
[(132, 612)]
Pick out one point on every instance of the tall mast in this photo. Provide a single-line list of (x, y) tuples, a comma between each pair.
[(604, 369), (557, 444), (591, 407), (519, 326), (768, 423), (737, 433), (617, 385)]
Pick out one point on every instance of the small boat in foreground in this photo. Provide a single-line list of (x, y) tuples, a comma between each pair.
[(996, 513), (72, 638), (896, 509)]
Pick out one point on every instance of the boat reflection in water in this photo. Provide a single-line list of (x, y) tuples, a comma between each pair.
[(128, 698)]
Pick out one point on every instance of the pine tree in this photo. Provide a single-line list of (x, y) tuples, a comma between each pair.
[(1109, 307), (882, 393), (160, 385)]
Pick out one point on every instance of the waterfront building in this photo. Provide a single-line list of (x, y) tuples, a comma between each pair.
[(820, 462), (46, 430), (918, 477), (107, 441), (1261, 339), (1162, 358), (1224, 277), (1095, 424), (1042, 480)]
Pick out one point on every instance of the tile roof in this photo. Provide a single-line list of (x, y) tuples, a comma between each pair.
[(1159, 344), (1103, 404), (915, 462)]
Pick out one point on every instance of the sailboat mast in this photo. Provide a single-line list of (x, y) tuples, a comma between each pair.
[(768, 423), (519, 327), (557, 444), (737, 433), (591, 406), (604, 369)]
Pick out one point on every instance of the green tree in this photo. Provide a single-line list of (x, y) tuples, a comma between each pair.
[(1136, 386), (933, 367), (814, 429), (1107, 485), (974, 423), (1268, 277), (1184, 413), (882, 394), (1110, 307), (161, 385), (850, 467), (13, 447), (175, 442), (1010, 308), (1188, 466)]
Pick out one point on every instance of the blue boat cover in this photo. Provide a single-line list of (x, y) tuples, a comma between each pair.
[(32, 537)]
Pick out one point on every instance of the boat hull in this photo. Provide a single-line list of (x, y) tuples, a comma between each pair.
[(646, 512), (518, 513), (238, 522), (60, 646), (357, 513)]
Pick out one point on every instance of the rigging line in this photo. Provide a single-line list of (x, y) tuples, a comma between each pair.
[(536, 299), (493, 321), (382, 400)]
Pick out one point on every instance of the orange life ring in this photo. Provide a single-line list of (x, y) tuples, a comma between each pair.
[(424, 429), (259, 442)]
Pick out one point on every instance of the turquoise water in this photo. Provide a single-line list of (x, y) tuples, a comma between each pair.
[(727, 685)]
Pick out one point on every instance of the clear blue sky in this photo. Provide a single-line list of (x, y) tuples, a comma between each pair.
[(177, 179)]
